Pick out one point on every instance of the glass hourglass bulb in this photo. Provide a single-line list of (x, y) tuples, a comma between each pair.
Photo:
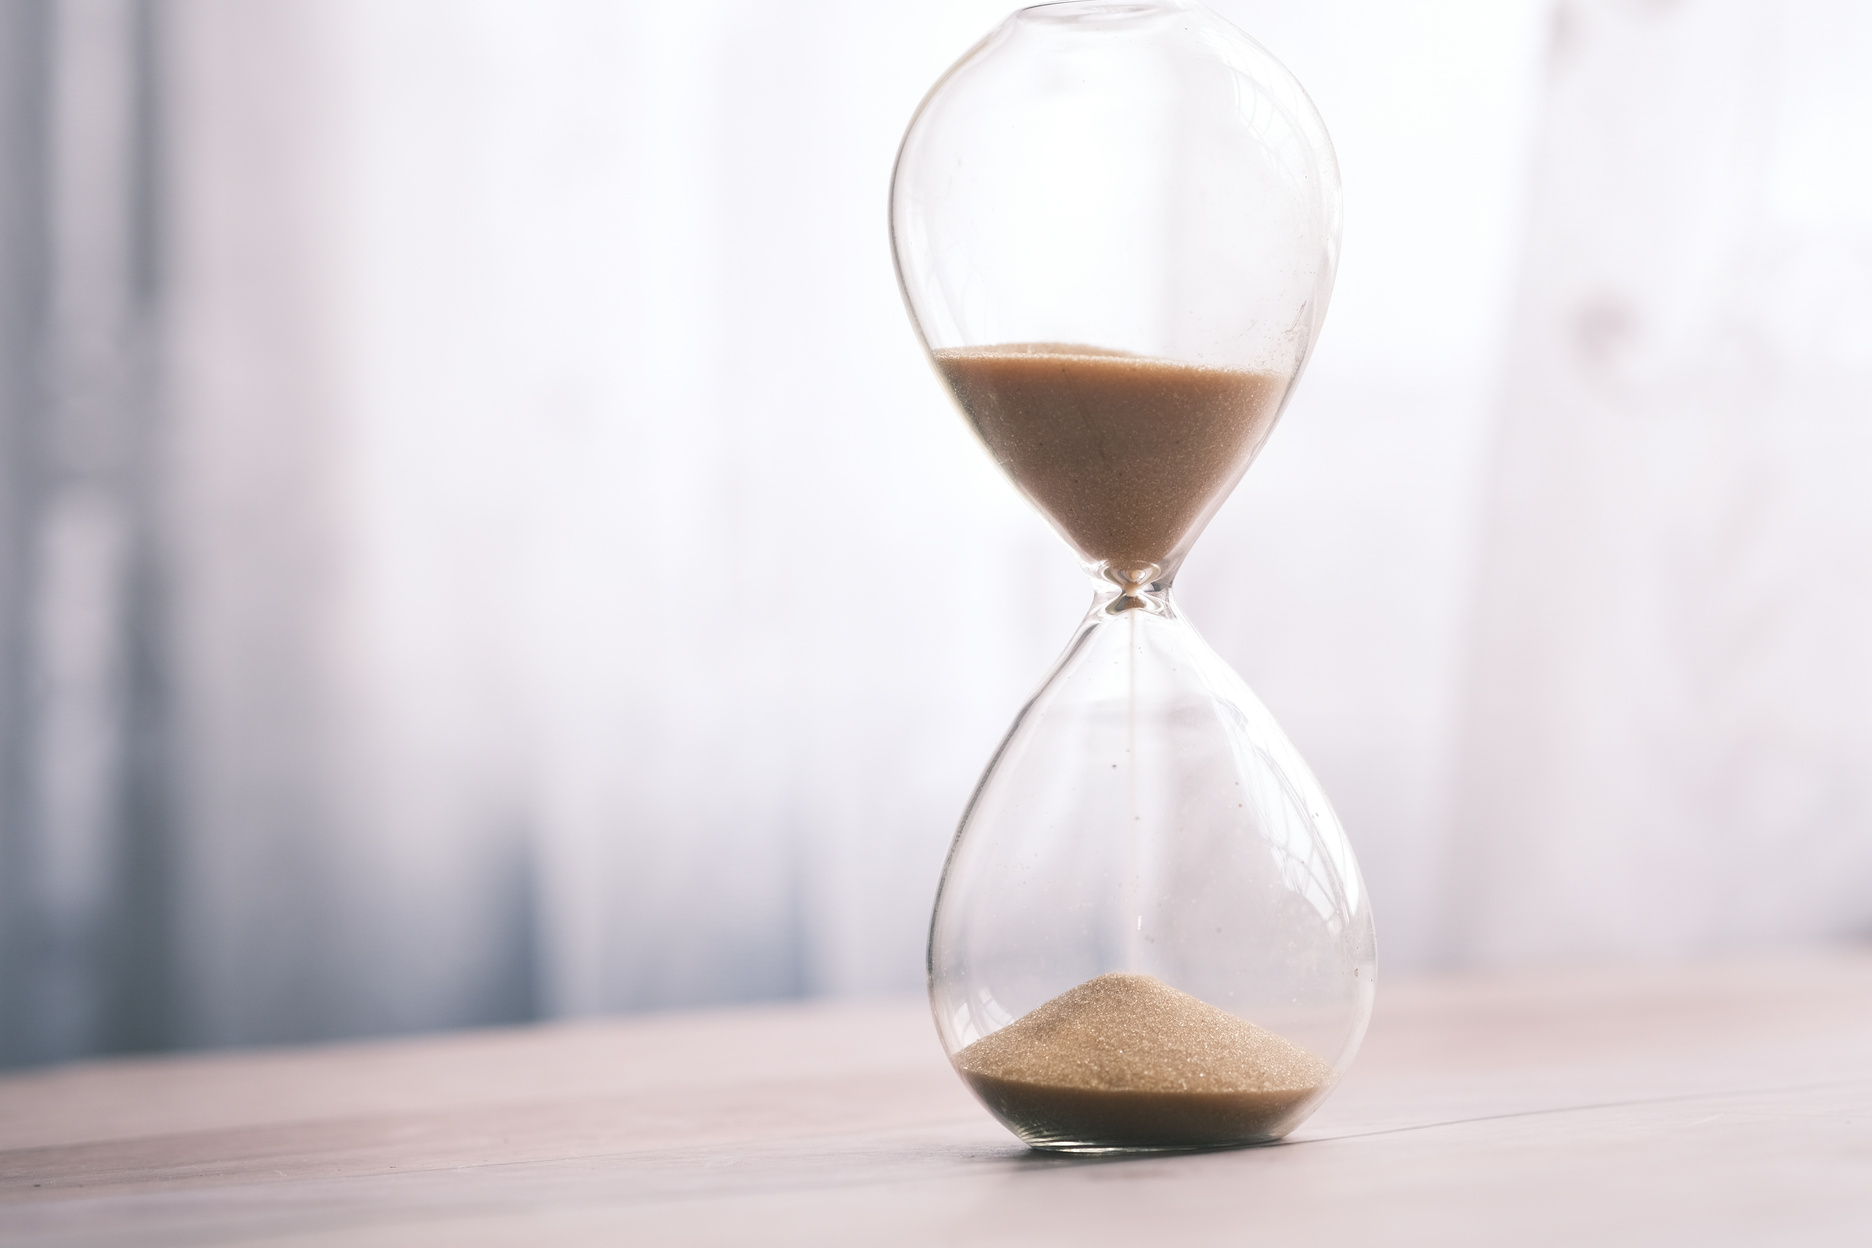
[(1116, 227)]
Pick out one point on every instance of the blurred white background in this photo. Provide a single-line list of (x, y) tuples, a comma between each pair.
[(480, 540)]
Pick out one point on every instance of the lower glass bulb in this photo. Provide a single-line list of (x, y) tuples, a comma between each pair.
[(1151, 931)]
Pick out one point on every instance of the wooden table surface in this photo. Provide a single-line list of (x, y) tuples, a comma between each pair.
[(1711, 1104)]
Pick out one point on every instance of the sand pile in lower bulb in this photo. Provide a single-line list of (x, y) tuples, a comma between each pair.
[(1126, 1061)]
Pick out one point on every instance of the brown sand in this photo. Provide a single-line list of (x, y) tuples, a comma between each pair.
[(1126, 1061), (1124, 453)]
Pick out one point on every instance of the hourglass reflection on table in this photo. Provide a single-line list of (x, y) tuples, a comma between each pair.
[(1116, 227)]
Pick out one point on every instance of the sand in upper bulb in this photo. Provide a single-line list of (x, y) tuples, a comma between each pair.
[(1125, 453), (1126, 1061)]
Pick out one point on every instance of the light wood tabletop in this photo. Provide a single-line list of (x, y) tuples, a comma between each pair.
[(1707, 1104)]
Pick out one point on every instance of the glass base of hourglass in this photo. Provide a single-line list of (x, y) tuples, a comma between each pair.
[(1151, 932)]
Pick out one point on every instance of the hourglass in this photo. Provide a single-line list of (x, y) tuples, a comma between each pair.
[(1116, 227)]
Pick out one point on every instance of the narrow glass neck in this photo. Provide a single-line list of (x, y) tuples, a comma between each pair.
[(1128, 577), (1112, 596)]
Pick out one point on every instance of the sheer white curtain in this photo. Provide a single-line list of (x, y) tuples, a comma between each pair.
[(575, 593)]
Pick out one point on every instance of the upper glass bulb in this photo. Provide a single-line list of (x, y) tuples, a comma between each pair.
[(1146, 181)]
